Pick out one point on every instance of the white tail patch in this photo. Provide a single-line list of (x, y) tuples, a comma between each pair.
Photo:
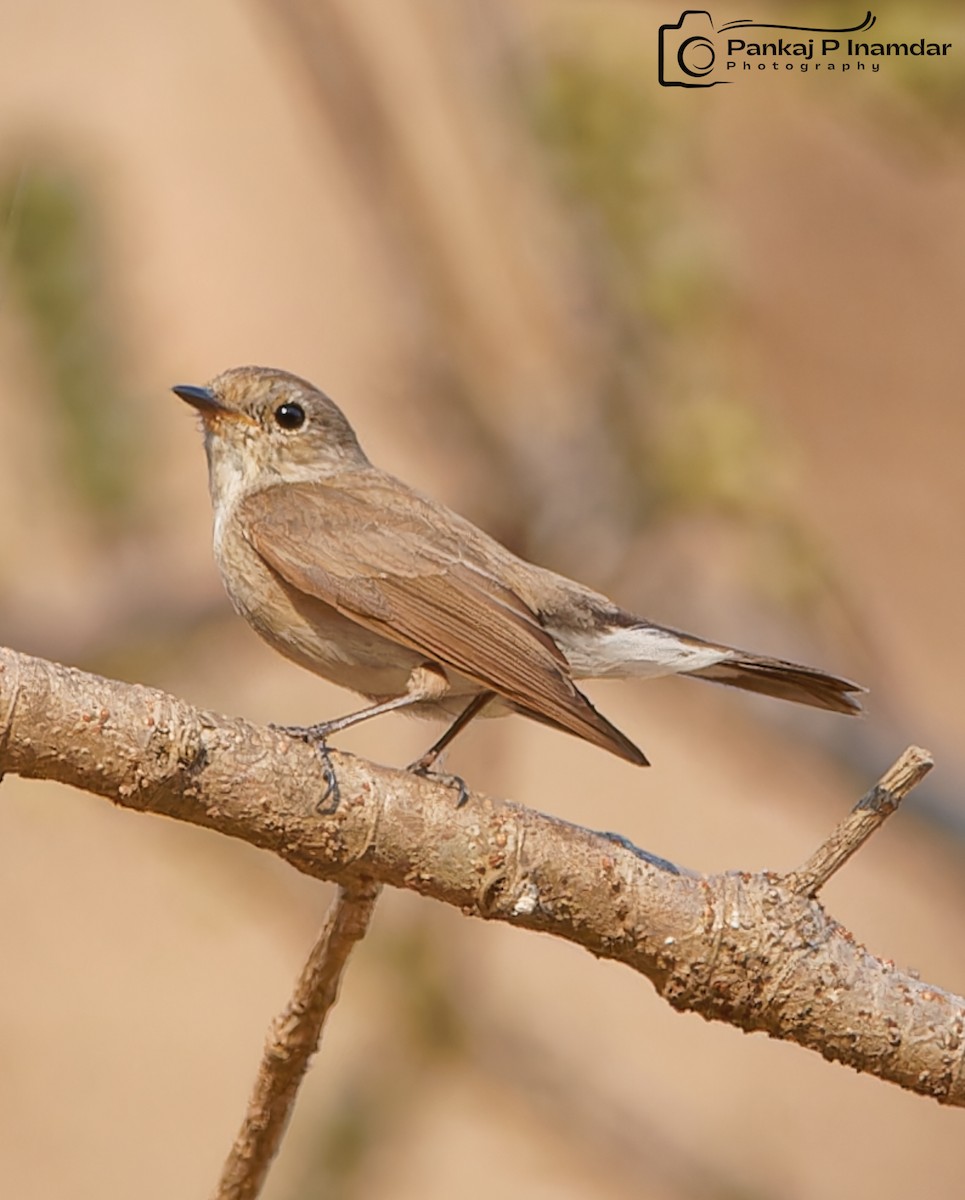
[(634, 652)]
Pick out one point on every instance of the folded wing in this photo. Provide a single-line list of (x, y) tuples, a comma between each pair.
[(401, 575)]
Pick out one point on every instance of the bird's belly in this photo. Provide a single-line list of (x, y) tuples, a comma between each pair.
[(345, 653), (356, 658), (318, 637), (312, 633)]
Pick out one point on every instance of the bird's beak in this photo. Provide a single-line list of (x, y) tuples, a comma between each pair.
[(210, 406)]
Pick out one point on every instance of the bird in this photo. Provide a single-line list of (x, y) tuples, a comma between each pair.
[(361, 579)]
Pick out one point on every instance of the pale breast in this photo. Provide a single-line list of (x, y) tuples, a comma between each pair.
[(305, 629)]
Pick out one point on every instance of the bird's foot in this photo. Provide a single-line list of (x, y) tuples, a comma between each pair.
[(312, 734), (315, 736), (424, 769)]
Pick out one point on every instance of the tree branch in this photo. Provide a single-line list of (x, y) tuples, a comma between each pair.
[(744, 948), (292, 1041), (869, 814)]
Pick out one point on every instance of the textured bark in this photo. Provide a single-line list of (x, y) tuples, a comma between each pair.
[(755, 950), (292, 1040)]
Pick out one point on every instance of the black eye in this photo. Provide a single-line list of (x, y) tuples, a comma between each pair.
[(290, 416)]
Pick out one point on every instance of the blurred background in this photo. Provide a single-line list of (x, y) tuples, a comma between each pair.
[(699, 348)]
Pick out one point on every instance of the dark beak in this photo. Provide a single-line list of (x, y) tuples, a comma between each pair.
[(201, 398)]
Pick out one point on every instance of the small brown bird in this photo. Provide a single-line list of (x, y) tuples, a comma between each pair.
[(352, 574)]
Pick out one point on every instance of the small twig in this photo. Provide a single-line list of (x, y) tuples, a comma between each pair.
[(293, 1039), (871, 811)]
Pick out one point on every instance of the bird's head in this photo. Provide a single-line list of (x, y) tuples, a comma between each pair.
[(265, 426)]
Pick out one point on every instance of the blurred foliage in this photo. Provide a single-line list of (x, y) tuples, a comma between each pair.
[(937, 83), (619, 159), (55, 270), (361, 1118), (682, 430), (715, 453), (426, 991)]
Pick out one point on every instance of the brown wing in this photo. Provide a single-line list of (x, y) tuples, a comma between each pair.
[(402, 574)]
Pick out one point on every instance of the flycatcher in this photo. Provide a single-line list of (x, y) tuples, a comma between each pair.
[(349, 572)]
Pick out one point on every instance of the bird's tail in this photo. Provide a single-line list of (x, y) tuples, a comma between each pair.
[(634, 648), (785, 680)]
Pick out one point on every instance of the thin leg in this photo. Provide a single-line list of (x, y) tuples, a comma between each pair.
[(324, 729), (475, 706), (426, 682)]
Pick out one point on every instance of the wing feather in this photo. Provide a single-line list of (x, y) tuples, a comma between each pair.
[(408, 577)]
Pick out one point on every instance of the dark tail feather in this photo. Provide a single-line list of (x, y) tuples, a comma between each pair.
[(786, 681)]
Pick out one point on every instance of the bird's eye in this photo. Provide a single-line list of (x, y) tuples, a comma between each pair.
[(290, 415)]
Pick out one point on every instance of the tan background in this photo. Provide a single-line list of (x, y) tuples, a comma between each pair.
[(701, 347)]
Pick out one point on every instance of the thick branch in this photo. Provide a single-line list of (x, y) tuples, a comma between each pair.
[(741, 948)]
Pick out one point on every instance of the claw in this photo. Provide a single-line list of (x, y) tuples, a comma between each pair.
[(329, 802), (314, 735), (451, 781)]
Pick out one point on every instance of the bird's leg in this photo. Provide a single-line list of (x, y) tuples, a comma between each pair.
[(427, 682), (324, 729), (423, 765)]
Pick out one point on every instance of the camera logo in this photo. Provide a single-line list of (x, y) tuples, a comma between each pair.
[(694, 53), (687, 55)]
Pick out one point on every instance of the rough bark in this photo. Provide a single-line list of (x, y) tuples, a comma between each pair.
[(755, 950)]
